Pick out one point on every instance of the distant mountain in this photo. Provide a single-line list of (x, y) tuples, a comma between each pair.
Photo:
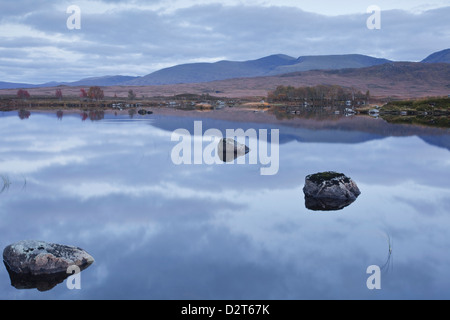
[(102, 81), (330, 62), (223, 70), (399, 72), (395, 79), (438, 57), (105, 81), (12, 85), (51, 84), (206, 72), (267, 66)]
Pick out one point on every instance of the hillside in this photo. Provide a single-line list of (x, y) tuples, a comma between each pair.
[(94, 81), (400, 80), (401, 72), (438, 57), (13, 85), (206, 72), (271, 65), (330, 62), (102, 81)]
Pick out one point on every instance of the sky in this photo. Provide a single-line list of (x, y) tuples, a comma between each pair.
[(43, 41)]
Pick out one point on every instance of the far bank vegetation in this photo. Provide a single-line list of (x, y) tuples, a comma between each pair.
[(319, 96)]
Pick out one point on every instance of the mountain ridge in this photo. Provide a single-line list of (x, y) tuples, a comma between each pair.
[(266, 66), (438, 57), (206, 72), (277, 64)]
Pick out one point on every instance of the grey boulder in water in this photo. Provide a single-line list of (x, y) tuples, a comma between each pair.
[(229, 149), (327, 191), (42, 258)]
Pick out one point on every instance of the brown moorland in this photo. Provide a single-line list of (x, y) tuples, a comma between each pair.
[(399, 80)]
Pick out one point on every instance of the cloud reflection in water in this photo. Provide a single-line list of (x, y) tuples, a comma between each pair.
[(160, 231)]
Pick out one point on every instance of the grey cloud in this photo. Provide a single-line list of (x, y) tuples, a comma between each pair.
[(17, 9), (146, 38)]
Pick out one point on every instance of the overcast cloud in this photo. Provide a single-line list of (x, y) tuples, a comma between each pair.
[(139, 37)]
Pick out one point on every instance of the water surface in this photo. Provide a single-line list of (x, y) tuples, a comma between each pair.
[(162, 231)]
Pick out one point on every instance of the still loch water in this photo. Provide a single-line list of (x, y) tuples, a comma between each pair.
[(162, 231)]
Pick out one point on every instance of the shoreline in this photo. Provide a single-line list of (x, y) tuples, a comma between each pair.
[(360, 122)]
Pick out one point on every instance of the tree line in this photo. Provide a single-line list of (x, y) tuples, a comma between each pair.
[(94, 93), (321, 95)]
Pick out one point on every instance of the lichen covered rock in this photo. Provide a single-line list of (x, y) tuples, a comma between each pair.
[(42, 258)]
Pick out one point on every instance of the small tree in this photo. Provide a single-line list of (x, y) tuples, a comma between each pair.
[(23, 94), (131, 95), (95, 93), (83, 94), (59, 94)]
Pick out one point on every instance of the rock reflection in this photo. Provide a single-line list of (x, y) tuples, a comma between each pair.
[(27, 281), (326, 204), (229, 150)]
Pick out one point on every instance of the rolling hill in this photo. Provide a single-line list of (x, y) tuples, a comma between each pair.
[(102, 81), (397, 80), (438, 57), (13, 85), (271, 65), (206, 72), (330, 62), (94, 81)]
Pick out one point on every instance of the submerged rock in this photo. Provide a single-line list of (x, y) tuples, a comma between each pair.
[(229, 149), (42, 265), (143, 112), (329, 191)]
